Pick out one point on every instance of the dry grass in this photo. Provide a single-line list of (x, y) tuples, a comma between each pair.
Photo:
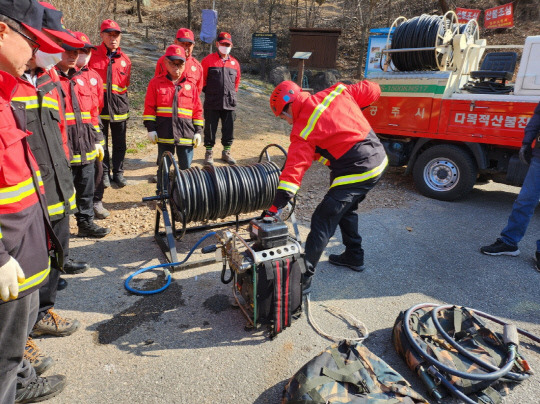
[(84, 15)]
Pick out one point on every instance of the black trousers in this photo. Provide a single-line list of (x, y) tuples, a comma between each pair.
[(211, 121), (47, 291), (17, 317), (338, 208), (83, 178), (118, 140), (99, 189)]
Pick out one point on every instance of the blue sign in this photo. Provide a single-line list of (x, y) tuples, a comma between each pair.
[(263, 46)]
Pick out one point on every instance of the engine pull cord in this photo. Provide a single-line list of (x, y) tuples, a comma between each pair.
[(360, 327), (165, 270)]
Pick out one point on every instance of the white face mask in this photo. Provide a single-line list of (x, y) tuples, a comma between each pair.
[(83, 59), (47, 60), (224, 50)]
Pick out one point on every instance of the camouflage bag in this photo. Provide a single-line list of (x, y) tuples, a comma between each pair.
[(472, 334), (348, 373)]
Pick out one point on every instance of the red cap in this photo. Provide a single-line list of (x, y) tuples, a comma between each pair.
[(110, 25), (185, 35), (175, 52), (81, 36), (224, 38), (53, 23)]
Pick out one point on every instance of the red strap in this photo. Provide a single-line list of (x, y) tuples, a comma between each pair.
[(287, 295), (278, 298)]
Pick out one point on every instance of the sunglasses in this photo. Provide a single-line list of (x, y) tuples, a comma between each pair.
[(33, 44)]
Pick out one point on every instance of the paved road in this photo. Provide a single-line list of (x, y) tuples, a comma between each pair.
[(188, 345)]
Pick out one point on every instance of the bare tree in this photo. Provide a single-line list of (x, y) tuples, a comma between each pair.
[(139, 10), (189, 14), (365, 29)]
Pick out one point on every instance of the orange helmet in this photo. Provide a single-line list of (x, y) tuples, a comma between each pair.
[(284, 93)]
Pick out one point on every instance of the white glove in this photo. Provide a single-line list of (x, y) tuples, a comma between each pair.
[(152, 137), (100, 152), (197, 140), (11, 274)]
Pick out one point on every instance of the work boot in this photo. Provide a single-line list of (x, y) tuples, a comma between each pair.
[(227, 158), (53, 324), (499, 247), (106, 180), (40, 389), (75, 267), (62, 284), (39, 361), (99, 211), (209, 158), (344, 261), (90, 229), (120, 180)]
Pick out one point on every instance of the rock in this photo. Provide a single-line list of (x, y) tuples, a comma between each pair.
[(323, 80), (279, 74)]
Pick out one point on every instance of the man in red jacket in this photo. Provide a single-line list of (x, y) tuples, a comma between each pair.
[(193, 70), (221, 78), (330, 127), (114, 67), (172, 110), (24, 225)]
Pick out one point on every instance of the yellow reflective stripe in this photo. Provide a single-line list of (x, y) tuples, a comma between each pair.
[(149, 117), (107, 117), (288, 186), (323, 160), (168, 110), (36, 279), (25, 99), (355, 178), (102, 142), (162, 140), (17, 193), (76, 158), (185, 111), (85, 115), (98, 130), (49, 102), (0, 234), (59, 208), (31, 102), (184, 140), (198, 122), (118, 89), (319, 109), (116, 117), (72, 202), (91, 155)]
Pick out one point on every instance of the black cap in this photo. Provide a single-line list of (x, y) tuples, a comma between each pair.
[(28, 12)]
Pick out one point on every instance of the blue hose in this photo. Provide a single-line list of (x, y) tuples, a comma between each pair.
[(166, 271)]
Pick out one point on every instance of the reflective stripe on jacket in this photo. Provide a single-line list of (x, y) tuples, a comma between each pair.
[(158, 111), (115, 72), (46, 143), (329, 127), (221, 79)]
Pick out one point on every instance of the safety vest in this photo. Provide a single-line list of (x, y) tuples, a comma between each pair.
[(46, 142), (329, 127), (82, 134), (221, 79), (193, 71), (22, 224), (173, 111), (115, 71)]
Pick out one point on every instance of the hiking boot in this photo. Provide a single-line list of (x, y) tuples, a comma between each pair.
[(53, 324), (62, 284), (209, 158), (538, 261), (227, 158), (120, 180), (92, 230), (343, 261), (106, 180), (75, 267), (100, 212), (40, 389), (499, 247), (39, 361)]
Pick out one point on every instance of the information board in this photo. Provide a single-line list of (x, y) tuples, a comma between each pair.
[(263, 45)]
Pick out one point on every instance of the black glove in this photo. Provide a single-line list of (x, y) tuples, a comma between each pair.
[(525, 154)]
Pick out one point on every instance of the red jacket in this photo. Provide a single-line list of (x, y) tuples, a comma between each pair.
[(158, 111), (96, 85), (115, 71), (53, 74), (221, 79), (22, 225), (193, 71), (46, 141), (330, 127), (82, 135)]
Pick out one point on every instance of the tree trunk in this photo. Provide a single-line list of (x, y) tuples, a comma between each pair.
[(139, 10), (365, 30), (444, 6), (189, 14)]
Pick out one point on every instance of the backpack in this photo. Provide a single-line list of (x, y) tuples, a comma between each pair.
[(348, 373)]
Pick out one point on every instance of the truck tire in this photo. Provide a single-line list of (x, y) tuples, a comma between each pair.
[(444, 172)]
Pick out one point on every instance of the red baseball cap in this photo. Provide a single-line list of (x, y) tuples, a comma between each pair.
[(81, 36), (30, 15), (224, 38), (175, 52), (110, 25), (53, 23), (185, 35)]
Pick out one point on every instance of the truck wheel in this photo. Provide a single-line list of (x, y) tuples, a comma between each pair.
[(444, 172)]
